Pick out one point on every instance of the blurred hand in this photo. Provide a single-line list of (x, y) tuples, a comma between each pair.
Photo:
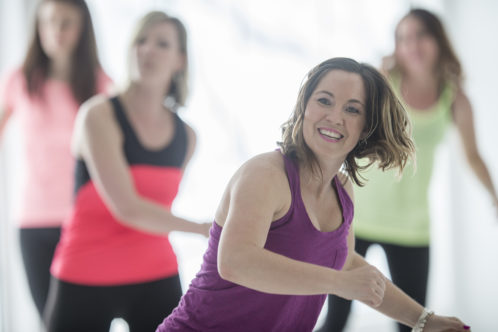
[(204, 228), (365, 284), (445, 324)]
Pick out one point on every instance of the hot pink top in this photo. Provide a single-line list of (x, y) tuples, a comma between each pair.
[(46, 128)]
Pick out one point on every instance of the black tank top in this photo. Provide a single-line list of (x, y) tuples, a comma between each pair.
[(172, 155)]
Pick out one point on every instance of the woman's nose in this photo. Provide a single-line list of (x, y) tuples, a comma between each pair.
[(334, 116)]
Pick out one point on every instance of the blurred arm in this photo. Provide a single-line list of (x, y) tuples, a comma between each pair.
[(463, 117), (98, 140)]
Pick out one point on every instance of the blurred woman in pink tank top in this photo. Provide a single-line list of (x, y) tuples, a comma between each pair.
[(60, 71)]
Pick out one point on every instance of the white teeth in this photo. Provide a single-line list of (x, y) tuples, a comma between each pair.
[(330, 134)]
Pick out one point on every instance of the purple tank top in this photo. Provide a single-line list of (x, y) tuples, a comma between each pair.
[(214, 304)]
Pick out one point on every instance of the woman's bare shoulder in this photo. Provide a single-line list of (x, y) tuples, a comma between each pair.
[(267, 166)]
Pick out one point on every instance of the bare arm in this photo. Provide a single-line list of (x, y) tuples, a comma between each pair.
[(98, 141), (255, 197), (462, 114), (8, 85), (399, 306), (257, 194), (394, 302), (4, 118)]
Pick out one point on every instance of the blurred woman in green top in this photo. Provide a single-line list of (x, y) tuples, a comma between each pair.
[(427, 77)]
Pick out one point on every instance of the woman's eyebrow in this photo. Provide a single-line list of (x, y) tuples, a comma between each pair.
[(356, 101), (326, 92)]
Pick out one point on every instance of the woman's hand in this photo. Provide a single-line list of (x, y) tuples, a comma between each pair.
[(365, 283), (445, 324), (204, 228)]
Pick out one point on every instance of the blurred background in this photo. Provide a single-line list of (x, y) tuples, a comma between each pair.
[(248, 58)]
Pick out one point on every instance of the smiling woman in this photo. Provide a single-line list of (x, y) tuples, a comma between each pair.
[(281, 238), (362, 106)]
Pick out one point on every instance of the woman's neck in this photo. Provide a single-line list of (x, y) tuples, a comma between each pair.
[(421, 81), (317, 182), (145, 99), (60, 69)]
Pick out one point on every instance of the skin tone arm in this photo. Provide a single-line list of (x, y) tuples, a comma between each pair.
[(98, 140), (4, 118), (462, 115), (399, 306), (256, 196), (395, 303)]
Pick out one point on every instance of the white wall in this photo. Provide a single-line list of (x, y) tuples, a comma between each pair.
[(17, 313), (473, 26)]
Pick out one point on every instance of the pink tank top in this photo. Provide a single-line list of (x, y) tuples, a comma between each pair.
[(46, 126)]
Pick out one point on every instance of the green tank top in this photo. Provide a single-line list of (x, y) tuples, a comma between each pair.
[(393, 210)]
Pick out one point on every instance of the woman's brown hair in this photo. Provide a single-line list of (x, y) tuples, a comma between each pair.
[(388, 140), (448, 66), (178, 89), (84, 62)]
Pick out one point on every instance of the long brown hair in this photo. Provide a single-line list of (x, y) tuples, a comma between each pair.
[(448, 66), (388, 140), (84, 62), (178, 89)]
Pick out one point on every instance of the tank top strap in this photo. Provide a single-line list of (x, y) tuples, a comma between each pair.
[(292, 170), (180, 132), (122, 119)]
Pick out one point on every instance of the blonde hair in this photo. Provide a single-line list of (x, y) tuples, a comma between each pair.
[(178, 89), (388, 140)]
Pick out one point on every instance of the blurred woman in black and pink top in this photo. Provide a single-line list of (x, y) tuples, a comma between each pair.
[(114, 258)]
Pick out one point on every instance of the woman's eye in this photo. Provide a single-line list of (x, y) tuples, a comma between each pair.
[(140, 41), (352, 109), (163, 44), (324, 101)]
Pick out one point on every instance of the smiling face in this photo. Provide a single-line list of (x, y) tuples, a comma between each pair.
[(416, 49), (334, 118), (157, 54), (59, 26)]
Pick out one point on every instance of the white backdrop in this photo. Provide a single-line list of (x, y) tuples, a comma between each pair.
[(248, 59)]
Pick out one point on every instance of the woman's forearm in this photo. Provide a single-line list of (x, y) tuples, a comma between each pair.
[(269, 272), (481, 171), (395, 304), (151, 217), (399, 306)]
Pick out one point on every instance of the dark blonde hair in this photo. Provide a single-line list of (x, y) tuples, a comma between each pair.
[(178, 89), (84, 63), (448, 66), (388, 140)]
